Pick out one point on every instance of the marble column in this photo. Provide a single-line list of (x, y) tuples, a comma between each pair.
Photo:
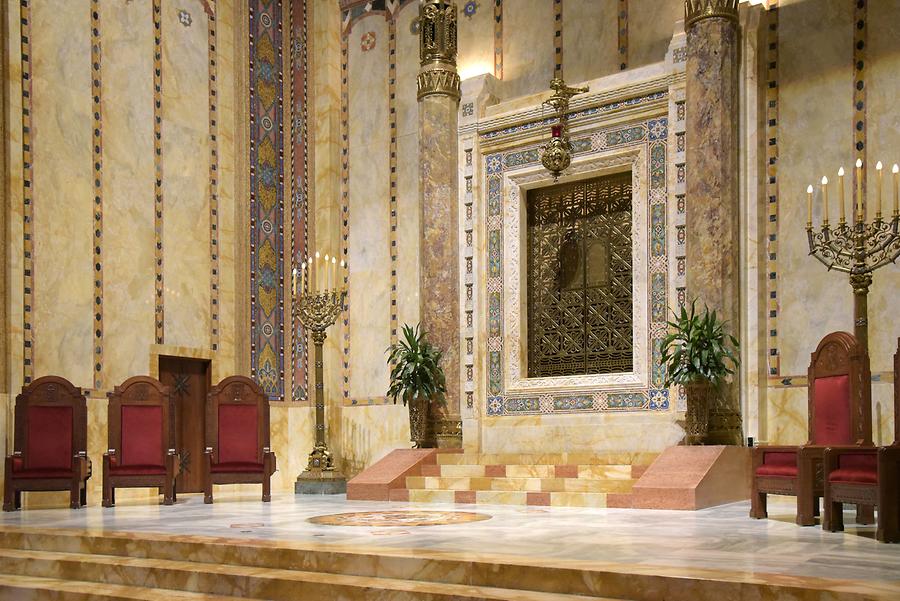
[(438, 94), (713, 234)]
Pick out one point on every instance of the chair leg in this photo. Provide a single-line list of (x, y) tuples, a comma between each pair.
[(267, 489), (758, 505), (75, 495), (865, 514), (169, 492), (816, 507), (84, 494), (8, 495), (109, 494), (833, 520), (805, 511), (207, 490)]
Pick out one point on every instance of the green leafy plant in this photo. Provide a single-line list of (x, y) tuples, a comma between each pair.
[(698, 349), (416, 373)]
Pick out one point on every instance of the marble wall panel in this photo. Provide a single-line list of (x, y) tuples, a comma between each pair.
[(407, 69), (651, 24), (369, 257), (370, 433), (408, 229), (128, 243), (590, 40), (528, 56), (475, 40), (814, 139), (185, 184), (63, 216)]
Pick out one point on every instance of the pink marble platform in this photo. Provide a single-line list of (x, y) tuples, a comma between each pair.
[(693, 478), (389, 473)]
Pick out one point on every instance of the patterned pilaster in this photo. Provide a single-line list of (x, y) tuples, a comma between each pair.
[(27, 196), (159, 291), (97, 181)]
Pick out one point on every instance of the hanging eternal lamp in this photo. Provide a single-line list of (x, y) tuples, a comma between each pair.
[(557, 153)]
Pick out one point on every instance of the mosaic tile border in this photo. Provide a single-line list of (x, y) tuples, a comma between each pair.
[(158, 223), (558, 38), (622, 16), (266, 146), (392, 173), (345, 208), (27, 196), (97, 156), (213, 178), (298, 18), (860, 41), (650, 135), (773, 360)]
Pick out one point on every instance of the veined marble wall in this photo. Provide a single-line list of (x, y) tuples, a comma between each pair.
[(818, 127)]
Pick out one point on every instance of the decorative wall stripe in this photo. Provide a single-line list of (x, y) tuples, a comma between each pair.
[(159, 313), (498, 39), (97, 150), (392, 118), (299, 177), (623, 34), (213, 178), (27, 196), (773, 366), (345, 207), (266, 144), (558, 38), (860, 26)]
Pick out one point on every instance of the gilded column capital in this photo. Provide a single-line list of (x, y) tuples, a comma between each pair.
[(437, 49), (444, 82), (696, 10)]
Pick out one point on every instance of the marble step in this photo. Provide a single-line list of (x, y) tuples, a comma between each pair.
[(131, 577), (503, 497), (521, 484), (32, 588), (602, 458), (601, 472)]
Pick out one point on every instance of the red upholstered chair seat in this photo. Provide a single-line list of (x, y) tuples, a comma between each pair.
[(780, 464), (237, 467), (137, 470), (860, 468), (832, 411)]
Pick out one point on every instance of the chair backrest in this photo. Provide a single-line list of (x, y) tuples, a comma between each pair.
[(50, 423), (237, 421), (840, 398), (141, 422)]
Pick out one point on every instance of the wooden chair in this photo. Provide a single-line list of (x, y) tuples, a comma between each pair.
[(867, 476), (840, 413), (237, 436), (50, 443), (141, 453)]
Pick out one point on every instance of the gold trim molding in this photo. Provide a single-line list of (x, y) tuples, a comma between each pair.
[(697, 10), (442, 82)]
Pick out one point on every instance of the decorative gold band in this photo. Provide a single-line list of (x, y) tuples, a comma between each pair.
[(697, 10), (438, 81)]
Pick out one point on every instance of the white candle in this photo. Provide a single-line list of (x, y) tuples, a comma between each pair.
[(318, 271), (334, 275), (878, 168), (294, 280), (809, 206), (309, 275), (327, 274), (825, 198), (841, 189), (302, 276), (859, 195)]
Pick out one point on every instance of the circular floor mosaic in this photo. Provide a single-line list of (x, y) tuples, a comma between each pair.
[(399, 518)]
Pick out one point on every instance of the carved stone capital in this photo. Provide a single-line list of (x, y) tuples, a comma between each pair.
[(444, 82), (697, 10)]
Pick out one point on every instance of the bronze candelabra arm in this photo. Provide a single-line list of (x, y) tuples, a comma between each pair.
[(318, 311), (834, 248)]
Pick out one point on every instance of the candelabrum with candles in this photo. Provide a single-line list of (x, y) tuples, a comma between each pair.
[(317, 305), (860, 247)]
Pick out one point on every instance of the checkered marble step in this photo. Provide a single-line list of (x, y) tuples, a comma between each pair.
[(510, 497), (602, 458), (592, 485)]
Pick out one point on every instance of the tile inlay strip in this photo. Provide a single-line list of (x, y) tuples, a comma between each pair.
[(498, 39), (860, 26), (392, 162), (772, 355), (213, 179), (345, 209), (623, 34), (27, 196), (159, 314), (97, 150), (558, 38)]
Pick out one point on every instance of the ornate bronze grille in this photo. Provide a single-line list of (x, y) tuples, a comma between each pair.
[(579, 277)]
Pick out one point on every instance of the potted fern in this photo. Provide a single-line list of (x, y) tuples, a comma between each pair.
[(699, 355), (418, 380)]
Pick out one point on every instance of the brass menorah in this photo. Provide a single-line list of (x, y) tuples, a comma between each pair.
[(857, 248)]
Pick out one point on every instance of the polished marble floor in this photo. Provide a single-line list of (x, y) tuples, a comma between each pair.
[(721, 538)]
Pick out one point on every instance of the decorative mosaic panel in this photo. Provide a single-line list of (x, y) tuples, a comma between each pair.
[(266, 197), (645, 139)]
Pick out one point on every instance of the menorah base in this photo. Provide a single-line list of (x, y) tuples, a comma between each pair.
[(317, 482)]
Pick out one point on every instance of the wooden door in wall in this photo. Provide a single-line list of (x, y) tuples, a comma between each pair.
[(190, 382)]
